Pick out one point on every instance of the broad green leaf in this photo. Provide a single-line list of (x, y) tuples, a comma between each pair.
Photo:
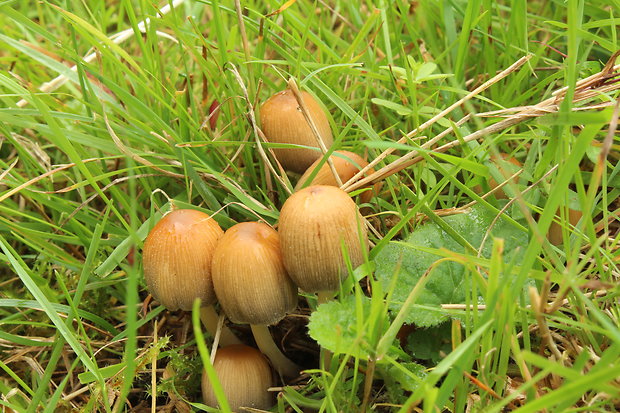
[(401, 378), (334, 326), (447, 284), (432, 343)]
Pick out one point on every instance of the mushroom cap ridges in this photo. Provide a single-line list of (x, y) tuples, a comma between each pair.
[(177, 257), (283, 122), (314, 225), (250, 281), (245, 376)]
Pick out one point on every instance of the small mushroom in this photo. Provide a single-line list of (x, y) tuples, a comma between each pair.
[(245, 376), (252, 285), (283, 122), (555, 230), (316, 223), (347, 164), (177, 257)]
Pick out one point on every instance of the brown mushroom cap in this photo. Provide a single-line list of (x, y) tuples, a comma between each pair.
[(555, 230), (177, 257), (314, 222), (250, 281), (245, 376), (283, 122), (346, 169)]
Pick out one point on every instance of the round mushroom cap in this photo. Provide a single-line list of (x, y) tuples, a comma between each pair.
[(245, 376), (177, 257), (315, 224), (283, 122), (347, 165), (250, 281)]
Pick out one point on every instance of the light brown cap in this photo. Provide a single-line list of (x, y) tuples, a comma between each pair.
[(177, 257), (250, 281), (283, 122), (555, 230), (245, 376), (314, 222), (346, 165)]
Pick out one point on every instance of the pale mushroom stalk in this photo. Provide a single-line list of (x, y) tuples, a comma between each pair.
[(265, 343), (324, 297), (210, 319)]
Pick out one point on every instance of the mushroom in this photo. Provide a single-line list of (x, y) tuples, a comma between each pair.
[(316, 223), (347, 164), (555, 230), (283, 122), (252, 285), (177, 257), (245, 376)]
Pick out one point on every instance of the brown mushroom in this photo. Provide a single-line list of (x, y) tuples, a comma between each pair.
[(347, 164), (245, 376), (283, 122), (252, 285), (316, 223), (177, 257)]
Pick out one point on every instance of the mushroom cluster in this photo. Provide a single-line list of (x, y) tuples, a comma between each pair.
[(254, 271)]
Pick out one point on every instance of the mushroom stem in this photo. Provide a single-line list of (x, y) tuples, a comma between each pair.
[(265, 343), (210, 318), (323, 297)]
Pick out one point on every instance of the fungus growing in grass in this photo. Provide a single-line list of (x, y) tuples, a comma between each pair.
[(315, 224), (283, 122), (177, 257), (245, 376), (347, 164), (555, 230), (252, 285)]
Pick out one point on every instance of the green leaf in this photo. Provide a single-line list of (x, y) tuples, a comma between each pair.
[(396, 107), (432, 343), (401, 378), (447, 284), (335, 326)]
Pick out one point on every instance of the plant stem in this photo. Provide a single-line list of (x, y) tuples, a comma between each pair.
[(265, 343), (209, 318), (370, 372)]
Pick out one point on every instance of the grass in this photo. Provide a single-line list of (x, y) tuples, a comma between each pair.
[(160, 116)]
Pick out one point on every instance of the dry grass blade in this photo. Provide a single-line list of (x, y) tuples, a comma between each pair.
[(260, 137), (315, 131), (42, 176), (121, 146), (117, 38), (351, 184), (603, 82)]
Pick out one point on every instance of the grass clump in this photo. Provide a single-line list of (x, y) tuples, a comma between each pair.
[(112, 112)]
